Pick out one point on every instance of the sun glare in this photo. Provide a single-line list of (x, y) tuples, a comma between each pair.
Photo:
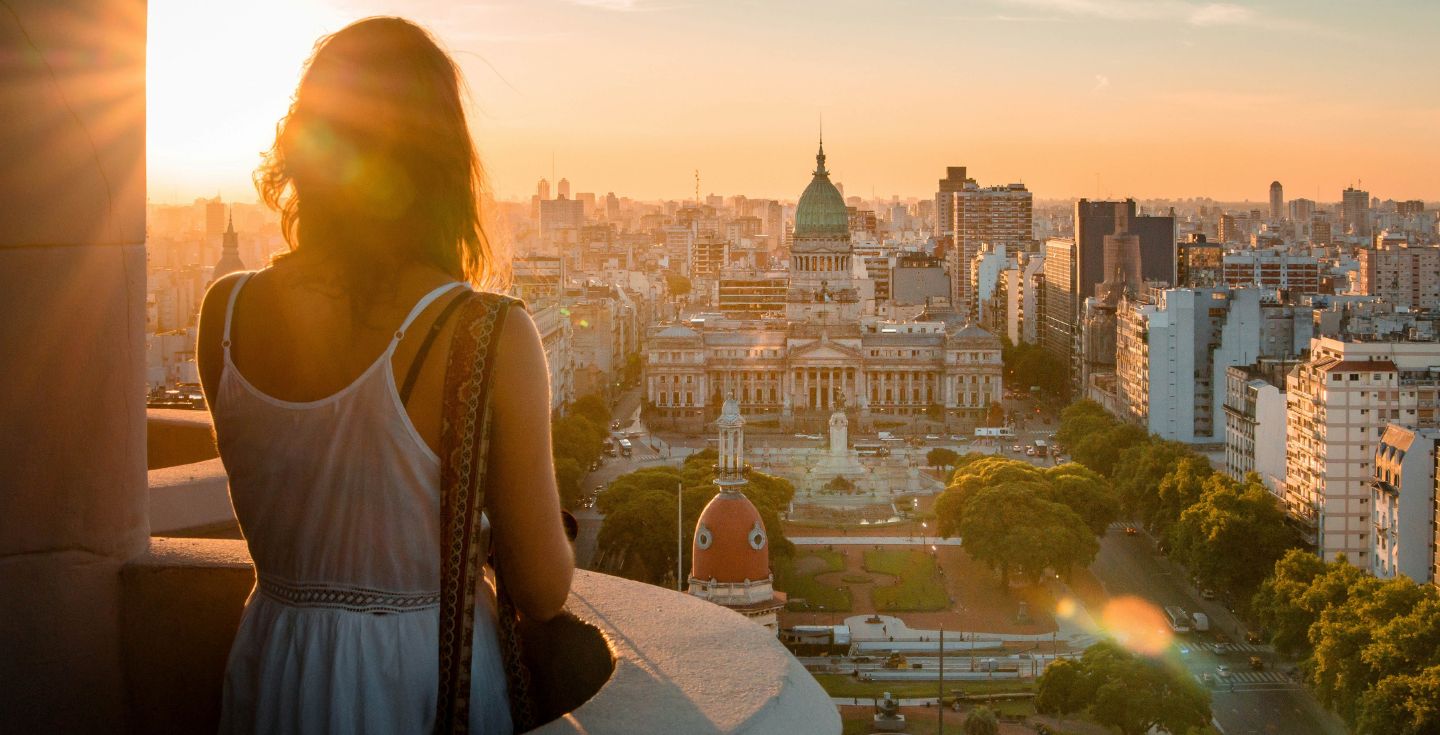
[(218, 78)]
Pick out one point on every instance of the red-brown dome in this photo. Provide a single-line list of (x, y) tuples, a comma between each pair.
[(730, 543)]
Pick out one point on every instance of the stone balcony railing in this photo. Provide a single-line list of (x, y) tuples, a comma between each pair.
[(625, 657)]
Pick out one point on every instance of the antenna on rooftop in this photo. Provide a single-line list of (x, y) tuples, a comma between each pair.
[(697, 188)]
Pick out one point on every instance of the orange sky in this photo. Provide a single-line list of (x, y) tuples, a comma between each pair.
[(1145, 98)]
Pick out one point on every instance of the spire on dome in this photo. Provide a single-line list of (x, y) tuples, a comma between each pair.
[(820, 157), (230, 226)]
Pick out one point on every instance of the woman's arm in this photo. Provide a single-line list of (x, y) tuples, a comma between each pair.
[(534, 557)]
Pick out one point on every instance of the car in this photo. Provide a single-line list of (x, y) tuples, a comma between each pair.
[(1207, 594), (615, 424), (1257, 663), (599, 488), (1253, 637), (1222, 670), (959, 438), (932, 437), (595, 465), (1131, 531), (1221, 638), (1029, 451), (1015, 448)]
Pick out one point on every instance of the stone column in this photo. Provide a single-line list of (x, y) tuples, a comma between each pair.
[(72, 325)]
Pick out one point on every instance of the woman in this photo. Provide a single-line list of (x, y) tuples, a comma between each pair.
[(334, 476)]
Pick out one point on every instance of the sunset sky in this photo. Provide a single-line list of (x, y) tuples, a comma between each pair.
[(1170, 98)]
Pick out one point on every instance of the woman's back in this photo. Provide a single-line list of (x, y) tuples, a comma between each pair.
[(332, 487)]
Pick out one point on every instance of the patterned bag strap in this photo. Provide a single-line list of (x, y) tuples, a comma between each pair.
[(465, 445)]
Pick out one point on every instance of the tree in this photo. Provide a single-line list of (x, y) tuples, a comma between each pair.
[(594, 408), (1100, 450), (1138, 473), (1179, 489), (1081, 419), (1135, 694), (1011, 526), (1061, 689), (1233, 536), (1281, 605), (568, 476), (981, 721), (1404, 704), (941, 457), (1341, 672), (1085, 492)]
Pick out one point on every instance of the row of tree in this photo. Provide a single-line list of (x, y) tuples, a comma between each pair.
[(1029, 365), (1371, 647), (577, 439), (1016, 517), (1115, 687), (638, 536), (1228, 534)]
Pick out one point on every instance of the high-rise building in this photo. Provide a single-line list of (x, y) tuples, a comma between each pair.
[(1277, 201), (1255, 422), (1403, 275), (563, 189), (1060, 312), (1403, 499), (1172, 351), (1355, 212), (1410, 208), (1272, 269), (1338, 403), (968, 216), (542, 189)]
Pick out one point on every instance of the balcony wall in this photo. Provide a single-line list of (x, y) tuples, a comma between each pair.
[(625, 658)]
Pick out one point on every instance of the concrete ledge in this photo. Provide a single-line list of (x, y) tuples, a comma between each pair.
[(180, 606), (176, 437), (685, 665), (189, 497)]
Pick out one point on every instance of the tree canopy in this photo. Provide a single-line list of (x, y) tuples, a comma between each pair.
[(1231, 537), (1123, 690), (1015, 517)]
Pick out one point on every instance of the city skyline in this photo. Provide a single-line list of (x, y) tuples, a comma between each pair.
[(1075, 98)]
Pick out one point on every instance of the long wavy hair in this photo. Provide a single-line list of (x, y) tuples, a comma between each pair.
[(373, 166)]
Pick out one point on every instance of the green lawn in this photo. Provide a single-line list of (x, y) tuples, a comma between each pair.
[(811, 594), (919, 588)]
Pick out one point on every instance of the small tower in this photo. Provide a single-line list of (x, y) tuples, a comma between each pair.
[(229, 252), (730, 559)]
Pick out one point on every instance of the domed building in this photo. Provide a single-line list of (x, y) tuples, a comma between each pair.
[(830, 353), (730, 554), (229, 253), (823, 275)]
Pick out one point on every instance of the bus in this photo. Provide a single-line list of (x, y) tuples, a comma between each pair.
[(1041, 448), (1179, 619), (872, 450), (987, 432), (626, 448)]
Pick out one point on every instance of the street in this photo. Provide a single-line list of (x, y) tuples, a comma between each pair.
[(1266, 702)]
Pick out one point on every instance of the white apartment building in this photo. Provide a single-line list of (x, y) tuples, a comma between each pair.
[(1403, 502), (1172, 349), (1338, 403), (1255, 424), (985, 272)]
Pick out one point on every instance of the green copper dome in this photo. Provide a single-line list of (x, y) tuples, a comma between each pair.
[(821, 211)]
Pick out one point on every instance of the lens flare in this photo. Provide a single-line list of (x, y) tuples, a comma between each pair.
[(1066, 608), (1137, 624)]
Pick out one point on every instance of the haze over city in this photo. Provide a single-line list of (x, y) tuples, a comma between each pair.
[(1096, 98)]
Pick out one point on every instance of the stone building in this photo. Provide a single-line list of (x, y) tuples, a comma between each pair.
[(827, 353)]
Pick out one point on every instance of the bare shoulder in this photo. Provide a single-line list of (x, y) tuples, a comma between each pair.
[(520, 356), (212, 325)]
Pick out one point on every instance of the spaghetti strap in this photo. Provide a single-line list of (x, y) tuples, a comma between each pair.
[(420, 305), (230, 311)]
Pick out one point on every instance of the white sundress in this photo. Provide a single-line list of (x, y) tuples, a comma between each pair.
[(339, 500)]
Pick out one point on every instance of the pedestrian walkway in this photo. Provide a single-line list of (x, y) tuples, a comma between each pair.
[(872, 541), (1236, 648)]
